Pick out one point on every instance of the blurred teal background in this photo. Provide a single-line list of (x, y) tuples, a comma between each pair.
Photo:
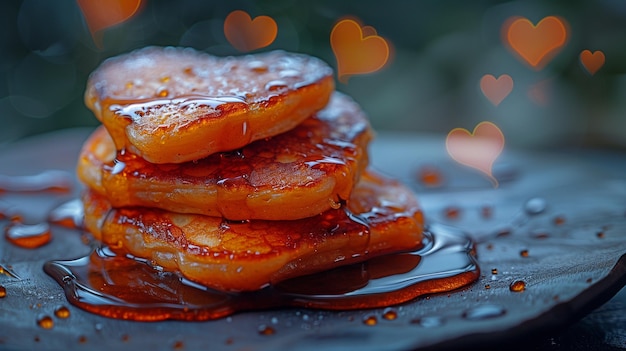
[(441, 49)]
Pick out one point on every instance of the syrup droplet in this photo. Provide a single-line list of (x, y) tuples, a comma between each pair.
[(3, 291), (69, 214), (50, 180), (257, 66), (559, 220), (429, 321), (162, 92), (487, 286), (540, 233), (390, 314), (370, 320), (276, 85), (266, 330), (29, 236), (45, 322), (484, 312), (517, 286), (62, 312), (494, 271), (430, 176), (179, 345), (523, 253), (486, 211), (535, 206), (82, 339), (452, 212), (600, 235)]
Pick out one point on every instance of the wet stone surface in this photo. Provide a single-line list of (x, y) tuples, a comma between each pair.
[(568, 269)]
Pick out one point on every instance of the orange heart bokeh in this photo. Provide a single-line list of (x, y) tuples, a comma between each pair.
[(478, 149), (496, 89), (535, 44), (247, 34), (358, 50), (592, 61), (100, 14)]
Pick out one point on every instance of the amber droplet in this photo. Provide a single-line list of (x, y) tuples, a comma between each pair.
[(370, 320), (430, 176), (165, 79), (257, 66), (518, 286), (494, 271), (559, 220), (523, 253), (600, 235), (390, 314), (179, 345), (28, 236), (429, 321), (486, 212), (452, 212), (45, 322), (3, 291), (484, 312), (266, 330), (62, 312), (82, 339), (162, 93), (487, 286)]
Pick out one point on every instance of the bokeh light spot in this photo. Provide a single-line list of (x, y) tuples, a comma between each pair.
[(358, 50), (478, 149), (247, 34)]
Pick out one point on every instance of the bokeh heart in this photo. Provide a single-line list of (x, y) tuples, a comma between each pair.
[(247, 34), (592, 61), (100, 14), (535, 44), (358, 50), (496, 89), (478, 149)]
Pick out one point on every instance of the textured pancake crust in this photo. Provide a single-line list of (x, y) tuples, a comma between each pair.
[(382, 217), (172, 105), (294, 175)]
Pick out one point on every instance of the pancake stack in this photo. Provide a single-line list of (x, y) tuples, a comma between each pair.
[(236, 172)]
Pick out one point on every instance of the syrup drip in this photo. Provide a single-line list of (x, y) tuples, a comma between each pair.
[(186, 104), (69, 214), (50, 180), (115, 286), (28, 236)]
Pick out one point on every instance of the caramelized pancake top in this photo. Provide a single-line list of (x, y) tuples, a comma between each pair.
[(297, 174), (171, 105), (382, 217)]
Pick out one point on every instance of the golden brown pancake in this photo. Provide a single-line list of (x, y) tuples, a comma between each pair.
[(240, 256), (297, 174), (172, 105)]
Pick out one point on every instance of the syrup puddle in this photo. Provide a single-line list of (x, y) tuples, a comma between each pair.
[(117, 286)]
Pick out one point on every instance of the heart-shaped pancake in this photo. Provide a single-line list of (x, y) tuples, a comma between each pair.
[(172, 105)]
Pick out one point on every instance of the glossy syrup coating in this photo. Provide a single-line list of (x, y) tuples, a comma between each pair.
[(294, 175), (172, 105), (382, 217)]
